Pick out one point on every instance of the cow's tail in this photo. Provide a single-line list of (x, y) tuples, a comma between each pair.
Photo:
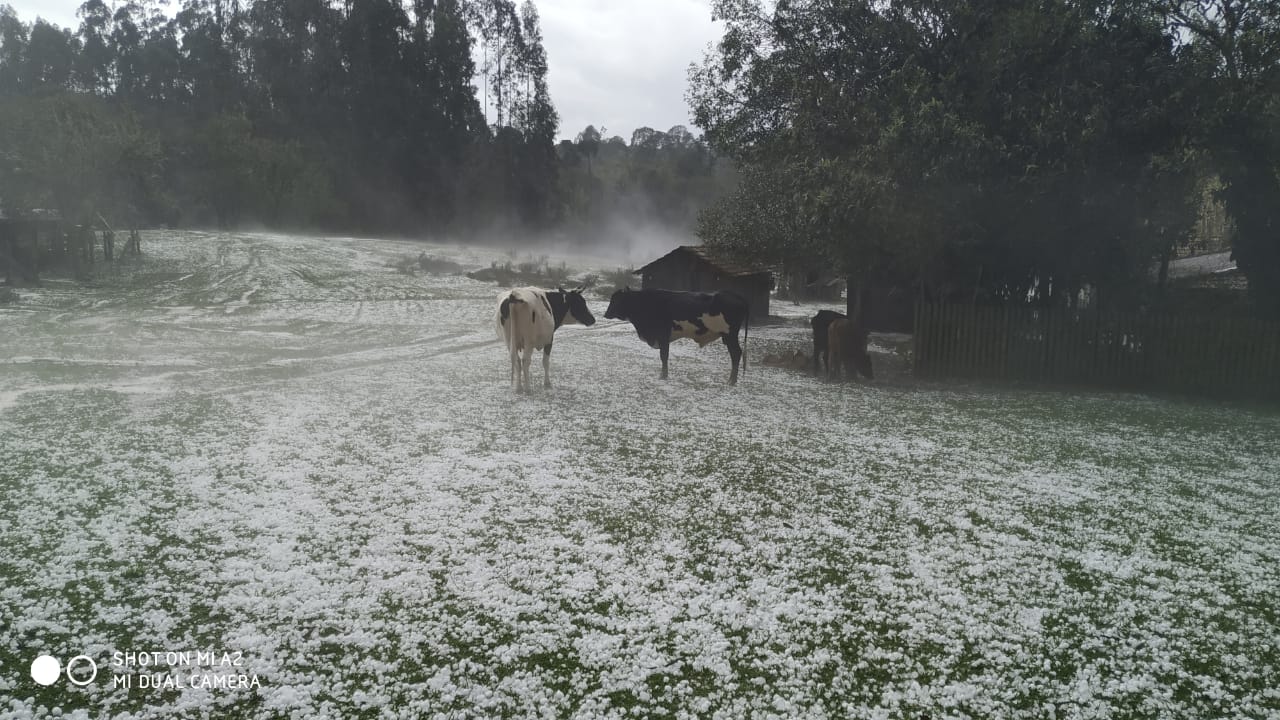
[(508, 324), (503, 319)]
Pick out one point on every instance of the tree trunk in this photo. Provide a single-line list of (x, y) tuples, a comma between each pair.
[(854, 297)]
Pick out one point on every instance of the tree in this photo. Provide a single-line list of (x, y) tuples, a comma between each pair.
[(75, 153), (356, 115), (95, 69), (1234, 49), (994, 151), (588, 142)]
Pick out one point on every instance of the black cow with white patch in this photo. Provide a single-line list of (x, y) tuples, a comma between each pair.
[(660, 316)]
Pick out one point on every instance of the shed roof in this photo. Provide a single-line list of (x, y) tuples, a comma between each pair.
[(725, 262), (32, 215)]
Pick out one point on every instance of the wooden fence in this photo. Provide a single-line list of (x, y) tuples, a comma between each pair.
[(1223, 356)]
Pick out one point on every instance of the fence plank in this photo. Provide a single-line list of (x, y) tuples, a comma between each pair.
[(1073, 350), (999, 338), (917, 338), (947, 345), (1148, 351), (964, 339), (1269, 364), (1027, 344), (935, 341), (982, 356), (943, 368)]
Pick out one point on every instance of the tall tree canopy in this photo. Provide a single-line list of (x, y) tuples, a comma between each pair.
[(405, 116), (360, 114), (1000, 150)]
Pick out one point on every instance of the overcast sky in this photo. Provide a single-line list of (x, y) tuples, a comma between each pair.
[(617, 64)]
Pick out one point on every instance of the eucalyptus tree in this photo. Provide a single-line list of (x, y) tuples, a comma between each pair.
[(95, 65), (49, 64), (13, 44)]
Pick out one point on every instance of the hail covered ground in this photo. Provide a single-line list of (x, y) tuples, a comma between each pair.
[(280, 449)]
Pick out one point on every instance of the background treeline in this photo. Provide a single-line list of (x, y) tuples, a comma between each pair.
[(364, 116), (1048, 152)]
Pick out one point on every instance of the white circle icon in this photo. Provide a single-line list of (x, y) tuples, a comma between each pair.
[(45, 670), (77, 659)]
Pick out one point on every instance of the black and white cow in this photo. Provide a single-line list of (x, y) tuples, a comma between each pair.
[(527, 320), (660, 316), (853, 348)]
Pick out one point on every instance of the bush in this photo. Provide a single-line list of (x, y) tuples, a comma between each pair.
[(616, 279), (8, 296), (533, 268), (404, 265), (556, 275), (437, 266)]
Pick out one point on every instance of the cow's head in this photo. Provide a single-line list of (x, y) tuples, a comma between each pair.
[(578, 310), (620, 305)]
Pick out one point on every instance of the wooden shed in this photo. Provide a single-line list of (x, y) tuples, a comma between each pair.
[(697, 268), (30, 241)]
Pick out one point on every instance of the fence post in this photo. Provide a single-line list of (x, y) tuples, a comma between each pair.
[(946, 343), (917, 339)]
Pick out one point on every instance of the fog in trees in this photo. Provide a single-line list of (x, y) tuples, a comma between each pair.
[(427, 119)]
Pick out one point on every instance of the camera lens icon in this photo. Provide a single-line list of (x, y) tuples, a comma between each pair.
[(82, 660), (46, 669)]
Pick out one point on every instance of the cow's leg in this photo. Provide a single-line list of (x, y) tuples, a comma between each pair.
[(663, 351), (735, 355), (525, 361), (515, 367), (818, 352), (546, 366)]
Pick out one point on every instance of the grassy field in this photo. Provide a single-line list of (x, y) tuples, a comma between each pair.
[(280, 447)]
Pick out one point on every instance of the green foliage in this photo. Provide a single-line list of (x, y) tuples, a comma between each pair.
[(75, 153), (662, 178), (1234, 49), (301, 114), (973, 150), (363, 116)]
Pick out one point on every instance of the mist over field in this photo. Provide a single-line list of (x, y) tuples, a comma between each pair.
[(623, 241)]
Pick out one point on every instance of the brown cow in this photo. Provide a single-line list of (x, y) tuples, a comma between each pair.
[(847, 349)]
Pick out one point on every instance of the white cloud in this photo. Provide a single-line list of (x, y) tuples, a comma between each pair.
[(59, 12), (623, 65)]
